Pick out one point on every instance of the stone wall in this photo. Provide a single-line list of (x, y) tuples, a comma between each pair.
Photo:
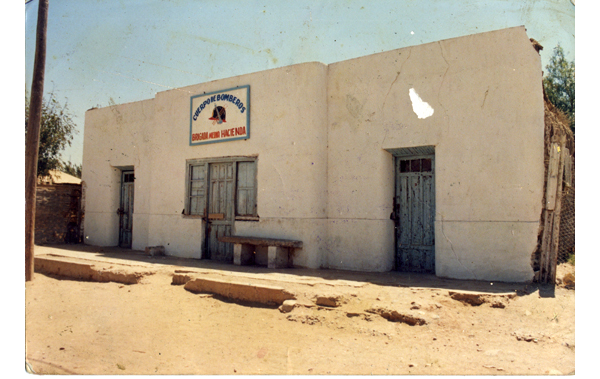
[(58, 213)]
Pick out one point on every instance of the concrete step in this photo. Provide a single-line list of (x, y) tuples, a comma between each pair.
[(85, 271), (240, 291)]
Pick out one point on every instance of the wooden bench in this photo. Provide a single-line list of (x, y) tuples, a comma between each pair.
[(279, 251)]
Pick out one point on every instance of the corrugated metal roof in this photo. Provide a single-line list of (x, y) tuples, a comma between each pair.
[(58, 177), (410, 151)]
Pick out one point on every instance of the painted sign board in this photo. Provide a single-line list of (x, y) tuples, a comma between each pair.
[(220, 116)]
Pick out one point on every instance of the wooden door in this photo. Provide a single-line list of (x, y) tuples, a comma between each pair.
[(220, 210), (126, 209), (414, 210)]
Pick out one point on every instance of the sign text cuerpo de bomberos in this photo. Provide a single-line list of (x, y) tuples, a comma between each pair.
[(220, 116)]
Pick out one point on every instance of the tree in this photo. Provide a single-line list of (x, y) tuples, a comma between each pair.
[(559, 84), (56, 132), (71, 169)]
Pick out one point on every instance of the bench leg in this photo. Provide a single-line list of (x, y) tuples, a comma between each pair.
[(278, 257), (243, 254)]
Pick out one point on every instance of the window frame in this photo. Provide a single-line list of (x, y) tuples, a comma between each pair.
[(188, 184), (254, 188), (206, 162)]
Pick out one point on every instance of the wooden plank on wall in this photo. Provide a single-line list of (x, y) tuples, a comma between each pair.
[(557, 209), (568, 168), (549, 247), (552, 182), (545, 248)]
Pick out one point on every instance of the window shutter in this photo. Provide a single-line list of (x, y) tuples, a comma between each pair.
[(197, 189), (246, 189)]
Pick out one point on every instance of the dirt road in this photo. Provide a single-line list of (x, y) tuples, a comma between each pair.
[(154, 327)]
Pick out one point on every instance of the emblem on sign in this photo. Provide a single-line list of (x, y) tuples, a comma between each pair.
[(220, 116)]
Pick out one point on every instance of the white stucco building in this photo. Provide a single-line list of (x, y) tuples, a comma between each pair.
[(425, 158)]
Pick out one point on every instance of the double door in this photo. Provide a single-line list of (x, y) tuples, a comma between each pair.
[(220, 210)]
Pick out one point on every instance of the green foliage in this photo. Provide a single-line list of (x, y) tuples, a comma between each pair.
[(559, 84), (56, 132), (571, 259), (71, 169)]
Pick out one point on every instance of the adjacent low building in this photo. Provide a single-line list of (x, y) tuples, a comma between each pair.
[(428, 158), (58, 211)]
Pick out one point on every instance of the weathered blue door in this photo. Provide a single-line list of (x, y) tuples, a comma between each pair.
[(125, 210), (221, 215), (414, 210)]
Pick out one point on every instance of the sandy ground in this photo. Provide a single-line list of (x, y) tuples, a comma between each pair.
[(154, 327)]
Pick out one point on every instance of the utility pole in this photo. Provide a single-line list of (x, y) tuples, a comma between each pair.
[(32, 138)]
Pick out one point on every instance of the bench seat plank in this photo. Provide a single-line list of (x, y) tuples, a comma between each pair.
[(260, 241)]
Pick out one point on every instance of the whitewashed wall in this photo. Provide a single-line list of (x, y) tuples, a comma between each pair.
[(288, 133), (487, 128), (116, 137), (324, 175)]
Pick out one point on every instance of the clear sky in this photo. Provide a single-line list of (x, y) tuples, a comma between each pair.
[(101, 52)]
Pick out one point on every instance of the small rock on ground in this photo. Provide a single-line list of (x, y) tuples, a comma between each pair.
[(287, 306), (395, 316), (329, 301), (569, 281)]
